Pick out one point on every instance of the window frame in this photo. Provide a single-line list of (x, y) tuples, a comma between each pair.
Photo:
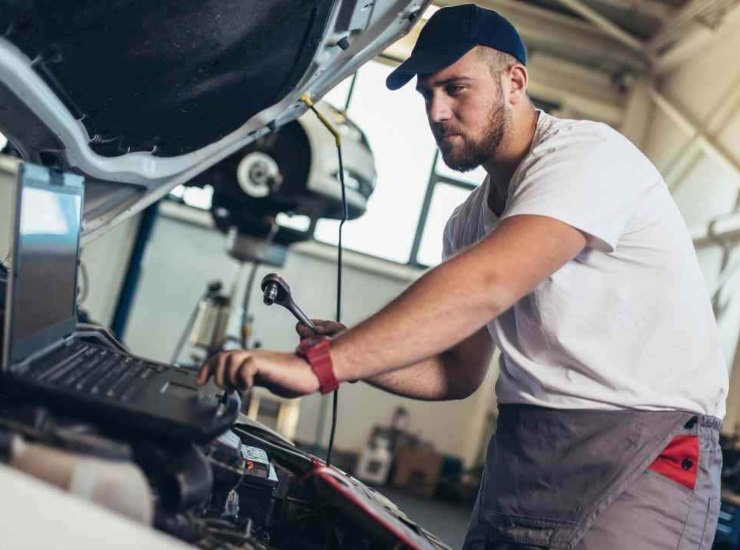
[(434, 179)]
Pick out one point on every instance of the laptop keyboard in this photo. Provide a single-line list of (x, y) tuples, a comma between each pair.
[(95, 371)]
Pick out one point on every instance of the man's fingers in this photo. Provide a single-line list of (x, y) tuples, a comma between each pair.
[(232, 373), (331, 328), (303, 331), (218, 371), (224, 368), (245, 375), (207, 369), (204, 373), (328, 328)]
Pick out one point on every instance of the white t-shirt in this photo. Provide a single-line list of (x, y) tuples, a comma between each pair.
[(628, 323)]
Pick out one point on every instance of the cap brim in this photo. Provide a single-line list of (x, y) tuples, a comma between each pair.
[(426, 62)]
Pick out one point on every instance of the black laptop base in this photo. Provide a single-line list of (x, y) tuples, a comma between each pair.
[(112, 387)]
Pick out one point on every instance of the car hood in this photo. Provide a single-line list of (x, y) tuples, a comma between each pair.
[(142, 96)]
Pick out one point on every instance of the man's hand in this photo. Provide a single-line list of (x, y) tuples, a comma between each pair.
[(283, 374), (324, 328)]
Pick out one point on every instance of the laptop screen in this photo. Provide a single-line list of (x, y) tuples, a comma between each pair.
[(45, 251), (47, 258)]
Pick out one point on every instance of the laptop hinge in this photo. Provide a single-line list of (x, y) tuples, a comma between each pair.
[(21, 367)]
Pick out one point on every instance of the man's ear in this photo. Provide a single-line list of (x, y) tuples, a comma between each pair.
[(518, 81)]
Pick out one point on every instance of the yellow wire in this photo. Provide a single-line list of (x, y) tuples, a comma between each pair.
[(306, 99)]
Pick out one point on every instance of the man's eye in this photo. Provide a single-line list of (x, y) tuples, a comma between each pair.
[(455, 89)]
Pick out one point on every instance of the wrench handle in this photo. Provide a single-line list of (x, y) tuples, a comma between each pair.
[(302, 317)]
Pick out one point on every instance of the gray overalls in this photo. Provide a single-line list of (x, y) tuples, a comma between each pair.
[(586, 479)]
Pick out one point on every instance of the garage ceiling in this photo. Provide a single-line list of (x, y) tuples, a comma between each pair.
[(614, 36)]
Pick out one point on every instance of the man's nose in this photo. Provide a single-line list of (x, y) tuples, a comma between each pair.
[(438, 110)]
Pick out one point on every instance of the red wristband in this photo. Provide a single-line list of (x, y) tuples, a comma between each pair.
[(316, 351)]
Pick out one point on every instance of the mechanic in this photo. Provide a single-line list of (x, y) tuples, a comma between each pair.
[(574, 260)]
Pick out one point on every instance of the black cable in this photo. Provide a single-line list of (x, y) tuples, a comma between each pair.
[(335, 401), (345, 215)]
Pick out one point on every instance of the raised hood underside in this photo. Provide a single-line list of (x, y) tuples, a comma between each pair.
[(166, 77), (140, 96)]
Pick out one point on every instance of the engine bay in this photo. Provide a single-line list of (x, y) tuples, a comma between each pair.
[(248, 488)]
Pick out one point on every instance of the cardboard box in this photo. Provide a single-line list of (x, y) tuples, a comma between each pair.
[(416, 470)]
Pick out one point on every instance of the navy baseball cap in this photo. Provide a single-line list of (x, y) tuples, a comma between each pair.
[(451, 33)]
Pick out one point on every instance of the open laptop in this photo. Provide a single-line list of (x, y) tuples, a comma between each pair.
[(46, 357)]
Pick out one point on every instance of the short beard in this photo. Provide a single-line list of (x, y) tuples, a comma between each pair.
[(474, 153)]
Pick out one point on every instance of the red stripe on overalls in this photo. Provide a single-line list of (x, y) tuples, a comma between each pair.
[(679, 461)]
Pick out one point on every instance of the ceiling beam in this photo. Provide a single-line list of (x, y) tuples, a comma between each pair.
[(697, 132), (589, 92), (687, 17), (605, 25), (696, 39), (565, 36), (648, 8)]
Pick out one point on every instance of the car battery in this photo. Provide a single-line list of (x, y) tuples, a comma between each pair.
[(257, 485), (249, 476)]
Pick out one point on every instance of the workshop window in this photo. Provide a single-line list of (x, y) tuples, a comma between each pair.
[(445, 198), (447, 189), (398, 133)]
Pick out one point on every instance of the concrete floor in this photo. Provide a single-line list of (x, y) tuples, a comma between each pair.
[(445, 520)]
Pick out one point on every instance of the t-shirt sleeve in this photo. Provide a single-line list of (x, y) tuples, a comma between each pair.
[(587, 176), (447, 249)]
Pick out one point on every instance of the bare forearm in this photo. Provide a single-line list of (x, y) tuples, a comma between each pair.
[(440, 310), (453, 374), (428, 380)]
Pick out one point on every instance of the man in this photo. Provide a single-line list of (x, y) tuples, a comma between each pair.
[(573, 259)]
